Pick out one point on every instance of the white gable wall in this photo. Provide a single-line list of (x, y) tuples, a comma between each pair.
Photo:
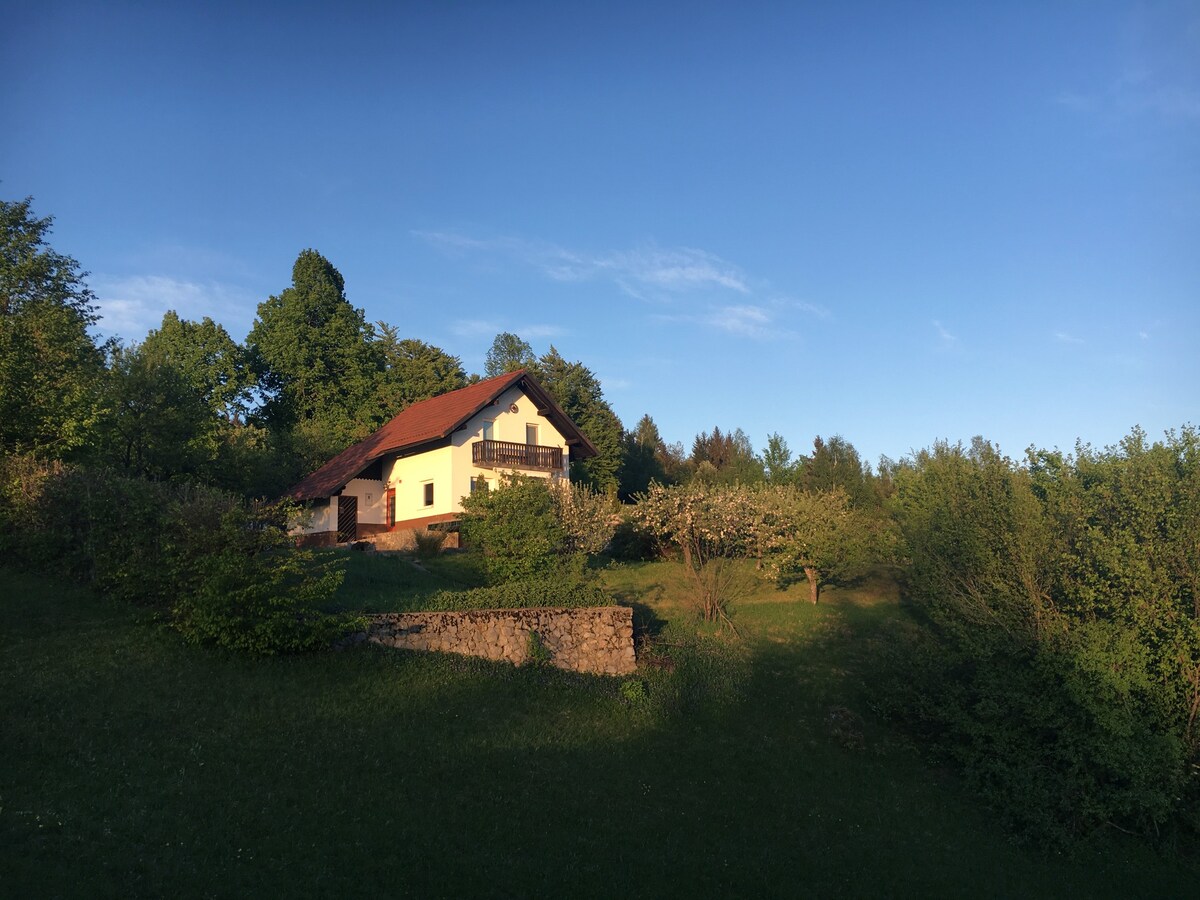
[(448, 468)]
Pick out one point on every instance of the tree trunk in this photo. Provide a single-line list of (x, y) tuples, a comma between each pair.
[(814, 583)]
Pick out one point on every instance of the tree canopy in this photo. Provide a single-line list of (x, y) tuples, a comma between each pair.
[(50, 366), (507, 354), (726, 457), (316, 362), (578, 392), (209, 360), (412, 370)]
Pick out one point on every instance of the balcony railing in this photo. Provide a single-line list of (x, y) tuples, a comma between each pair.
[(508, 455)]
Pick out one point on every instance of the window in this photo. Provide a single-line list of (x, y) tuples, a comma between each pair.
[(478, 483), (531, 435), (487, 430), (428, 486)]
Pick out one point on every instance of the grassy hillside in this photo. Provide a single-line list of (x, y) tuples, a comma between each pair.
[(134, 765)]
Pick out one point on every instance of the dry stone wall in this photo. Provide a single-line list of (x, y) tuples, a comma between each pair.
[(596, 639)]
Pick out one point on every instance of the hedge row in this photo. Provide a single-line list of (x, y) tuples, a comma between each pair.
[(217, 569)]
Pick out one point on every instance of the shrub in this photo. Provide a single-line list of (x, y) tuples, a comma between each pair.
[(428, 543), (1060, 662), (632, 543), (586, 517), (217, 569), (516, 528), (536, 652), (523, 594), (259, 594)]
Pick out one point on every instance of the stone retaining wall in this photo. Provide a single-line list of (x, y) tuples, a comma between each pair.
[(596, 639)]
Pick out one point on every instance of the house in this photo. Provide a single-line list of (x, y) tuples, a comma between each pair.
[(412, 472)]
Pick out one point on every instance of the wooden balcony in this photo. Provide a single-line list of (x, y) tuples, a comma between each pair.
[(508, 455)]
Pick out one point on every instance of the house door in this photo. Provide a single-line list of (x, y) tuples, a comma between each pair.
[(347, 519)]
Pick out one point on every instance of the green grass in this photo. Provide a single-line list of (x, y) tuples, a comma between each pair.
[(394, 582), (134, 765)]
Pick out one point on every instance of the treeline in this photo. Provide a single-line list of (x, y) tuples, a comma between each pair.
[(189, 402)]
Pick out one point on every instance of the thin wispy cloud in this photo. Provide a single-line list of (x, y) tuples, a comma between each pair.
[(642, 272), (748, 321), (742, 320), (1063, 338), (540, 331), (475, 327), (664, 276), (813, 309), (130, 307), (1159, 76), (616, 383), (946, 336), (679, 270)]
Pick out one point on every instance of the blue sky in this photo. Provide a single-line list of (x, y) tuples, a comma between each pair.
[(896, 222)]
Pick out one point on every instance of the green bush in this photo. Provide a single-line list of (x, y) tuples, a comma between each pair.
[(632, 543), (536, 652), (217, 569), (257, 593), (1060, 662), (516, 527), (523, 594)]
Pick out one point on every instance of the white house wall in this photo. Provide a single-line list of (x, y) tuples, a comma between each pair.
[(449, 468), (317, 519), (372, 503), (507, 426), (409, 475)]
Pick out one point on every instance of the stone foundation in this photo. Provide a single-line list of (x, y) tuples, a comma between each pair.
[(598, 639)]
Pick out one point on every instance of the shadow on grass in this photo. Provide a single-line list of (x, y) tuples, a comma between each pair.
[(175, 769)]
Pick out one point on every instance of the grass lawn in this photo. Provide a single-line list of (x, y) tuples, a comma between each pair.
[(132, 764)]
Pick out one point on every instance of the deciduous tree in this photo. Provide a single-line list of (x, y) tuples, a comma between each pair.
[(817, 534), (777, 462), (156, 423), (707, 524), (210, 361), (50, 366)]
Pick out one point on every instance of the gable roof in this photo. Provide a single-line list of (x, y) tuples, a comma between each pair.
[(433, 420)]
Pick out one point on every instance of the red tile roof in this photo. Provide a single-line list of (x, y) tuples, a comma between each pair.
[(432, 420)]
